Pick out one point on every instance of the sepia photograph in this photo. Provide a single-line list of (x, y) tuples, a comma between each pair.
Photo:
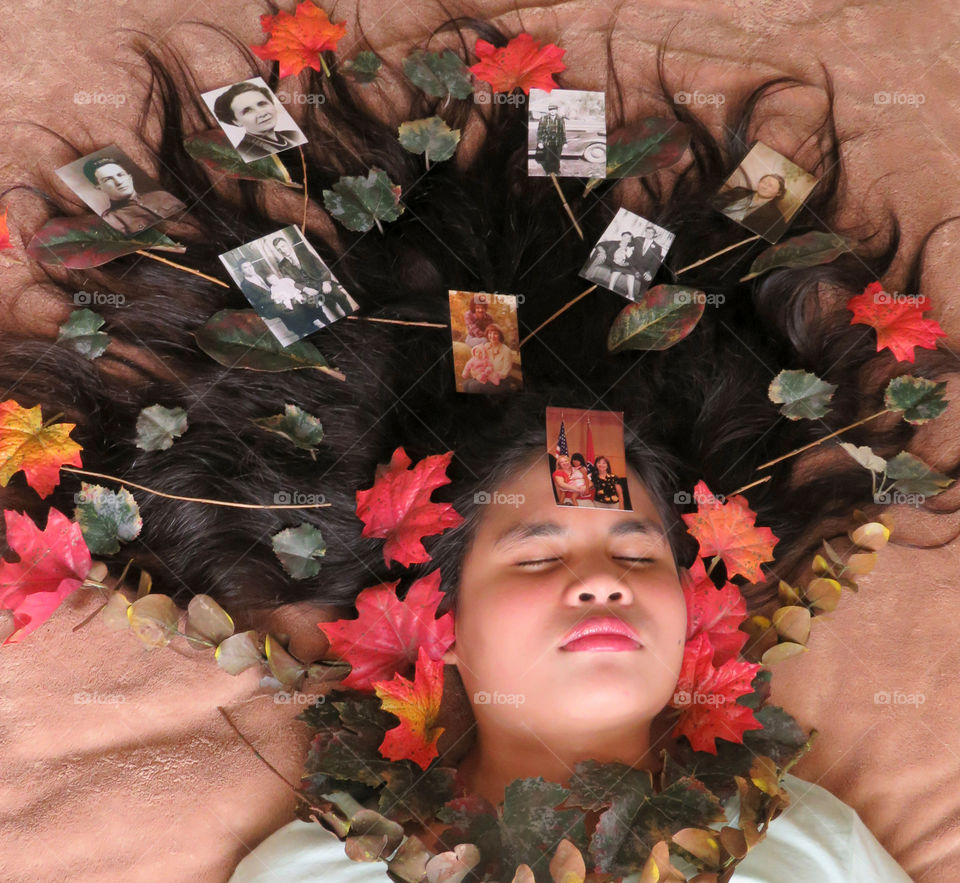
[(567, 134), (486, 342)]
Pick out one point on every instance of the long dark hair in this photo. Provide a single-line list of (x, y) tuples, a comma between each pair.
[(477, 222)]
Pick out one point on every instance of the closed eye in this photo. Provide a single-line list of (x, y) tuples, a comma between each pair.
[(537, 561)]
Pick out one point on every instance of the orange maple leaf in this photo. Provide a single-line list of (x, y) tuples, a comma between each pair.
[(522, 63), (5, 243), (297, 40), (899, 324), (728, 530), (417, 704), (717, 613), (38, 450)]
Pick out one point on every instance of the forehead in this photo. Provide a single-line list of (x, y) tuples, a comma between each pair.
[(110, 168), (251, 96)]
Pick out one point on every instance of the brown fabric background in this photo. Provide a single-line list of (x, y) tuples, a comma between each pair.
[(157, 786)]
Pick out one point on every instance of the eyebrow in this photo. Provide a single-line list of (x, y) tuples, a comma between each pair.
[(529, 529)]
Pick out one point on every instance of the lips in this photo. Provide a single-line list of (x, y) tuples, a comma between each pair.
[(601, 633)]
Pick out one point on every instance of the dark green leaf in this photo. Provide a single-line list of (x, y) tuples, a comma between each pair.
[(297, 547), (240, 339), (359, 202), (85, 241), (106, 517), (438, 73), (363, 67), (431, 137), (412, 793), (158, 426), (654, 143), (296, 425), (662, 317), (913, 476), (214, 150), (802, 394), (808, 250), (80, 333), (919, 399)]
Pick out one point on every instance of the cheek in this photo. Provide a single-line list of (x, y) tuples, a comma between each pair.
[(494, 628)]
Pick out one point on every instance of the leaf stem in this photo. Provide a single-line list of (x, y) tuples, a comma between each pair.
[(323, 64), (399, 321), (820, 441), (717, 254), (566, 306), (269, 765), (566, 205), (155, 257), (376, 221), (740, 490), (306, 196), (713, 563), (123, 481), (50, 420)]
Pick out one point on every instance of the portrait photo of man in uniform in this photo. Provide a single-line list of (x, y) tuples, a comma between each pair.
[(120, 191), (253, 119), (567, 133)]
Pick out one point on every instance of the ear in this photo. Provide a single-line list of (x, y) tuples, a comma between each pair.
[(450, 656)]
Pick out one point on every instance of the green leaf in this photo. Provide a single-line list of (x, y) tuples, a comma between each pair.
[(363, 67), (808, 250), (297, 547), (296, 425), (654, 143), (412, 793), (438, 73), (240, 339), (865, 457), (913, 476), (214, 150), (802, 394), (920, 399), (359, 202), (662, 317), (80, 333), (106, 517), (431, 137), (158, 426), (85, 241)]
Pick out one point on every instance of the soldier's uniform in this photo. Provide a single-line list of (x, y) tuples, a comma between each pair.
[(552, 133), (139, 212)]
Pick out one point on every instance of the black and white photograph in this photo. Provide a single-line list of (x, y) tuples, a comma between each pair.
[(254, 120), (119, 191), (628, 255), (567, 134), (288, 284), (765, 192)]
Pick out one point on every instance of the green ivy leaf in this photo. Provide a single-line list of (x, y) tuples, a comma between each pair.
[(654, 143), (438, 73), (662, 317), (296, 425), (106, 517), (158, 426), (359, 202), (240, 339), (85, 241), (363, 67), (80, 332), (912, 476), (297, 547), (431, 136), (808, 250), (214, 150), (802, 394), (920, 399)]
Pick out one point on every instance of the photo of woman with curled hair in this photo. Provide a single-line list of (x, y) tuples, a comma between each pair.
[(577, 613)]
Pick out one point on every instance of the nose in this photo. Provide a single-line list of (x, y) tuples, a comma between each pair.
[(599, 588)]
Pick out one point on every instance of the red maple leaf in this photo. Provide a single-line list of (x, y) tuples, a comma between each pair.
[(728, 530), (717, 613), (398, 507), (385, 638), (522, 62), (899, 324), (708, 695), (53, 563), (417, 704), (297, 40), (5, 242), (39, 450)]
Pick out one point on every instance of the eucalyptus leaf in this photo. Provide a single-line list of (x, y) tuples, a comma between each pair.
[(360, 202), (158, 426), (214, 150), (80, 332), (654, 143), (207, 619), (920, 399), (662, 317), (240, 339), (154, 619), (802, 394), (114, 612), (106, 517), (238, 652), (363, 67), (295, 425), (297, 548), (807, 250), (287, 670), (912, 476), (85, 241), (430, 136), (438, 73)]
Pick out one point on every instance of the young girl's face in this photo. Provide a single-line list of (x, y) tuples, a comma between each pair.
[(535, 572)]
